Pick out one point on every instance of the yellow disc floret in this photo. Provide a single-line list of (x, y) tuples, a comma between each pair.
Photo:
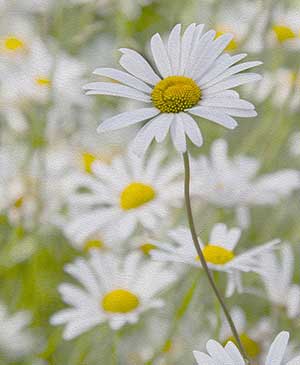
[(43, 81), (146, 248), (283, 33), (217, 255), (174, 94), (87, 161), (251, 347), (13, 44), (93, 244), (120, 301), (135, 195)]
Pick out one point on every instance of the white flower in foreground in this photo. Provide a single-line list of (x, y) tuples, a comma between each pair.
[(15, 339), (112, 291), (193, 78), (230, 355), (252, 337), (218, 252), (128, 192), (278, 278), (232, 183)]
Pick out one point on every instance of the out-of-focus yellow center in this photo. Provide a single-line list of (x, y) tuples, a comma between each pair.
[(93, 244), (13, 44), (19, 202), (283, 33), (174, 94), (251, 347), (232, 45), (120, 301), (146, 248), (87, 161), (217, 255), (43, 81), (135, 195)]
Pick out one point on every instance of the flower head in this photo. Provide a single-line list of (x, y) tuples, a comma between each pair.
[(219, 253), (230, 355), (128, 193), (232, 182), (193, 78), (112, 291)]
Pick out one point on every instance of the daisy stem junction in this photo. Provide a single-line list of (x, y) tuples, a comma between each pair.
[(201, 256)]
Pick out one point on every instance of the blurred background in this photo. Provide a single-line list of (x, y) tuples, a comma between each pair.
[(48, 51)]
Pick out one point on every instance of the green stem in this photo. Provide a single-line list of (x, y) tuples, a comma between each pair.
[(201, 256)]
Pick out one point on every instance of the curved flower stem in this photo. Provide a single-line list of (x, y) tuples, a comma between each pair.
[(201, 256)]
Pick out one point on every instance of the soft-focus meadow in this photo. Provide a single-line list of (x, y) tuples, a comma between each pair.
[(49, 145)]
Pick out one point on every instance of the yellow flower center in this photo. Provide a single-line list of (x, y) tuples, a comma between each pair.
[(232, 45), (251, 347), (43, 81), (19, 202), (146, 248), (87, 160), (135, 195), (13, 44), (217, 255), (174, 94), (120, 301), (90, 244), (283, 33)]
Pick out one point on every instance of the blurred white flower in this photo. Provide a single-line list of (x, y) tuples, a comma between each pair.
[(16, 340), (230, 355), (218, 253), (294, 144), (286, 27), (232, 183), (277, 278), (114, 291), (254, 338), (128, 192), (196, 79)]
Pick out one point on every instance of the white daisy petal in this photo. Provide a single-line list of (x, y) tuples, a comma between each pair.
[(109, 88), (127, 118), (191, 129), (233, 81), (277, 349), (174, 47), (177, 134), (217, 117), (160, 56), (186, 46), (135, 64), (124, 78)]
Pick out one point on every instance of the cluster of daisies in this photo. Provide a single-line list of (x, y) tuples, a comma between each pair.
[(118, 197)]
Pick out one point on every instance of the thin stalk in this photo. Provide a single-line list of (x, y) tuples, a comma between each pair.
[(201, 256)]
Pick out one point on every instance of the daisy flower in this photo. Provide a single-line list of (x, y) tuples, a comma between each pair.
[(232, 183), (286, 27), (125, 194), (193, 78), (15, 338), (112, 291), (253, 338), (278, 278), (218, 253), (230, 355)]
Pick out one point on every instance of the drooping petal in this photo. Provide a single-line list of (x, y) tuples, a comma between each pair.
[(123, 77), (217, 117), (127, 118)]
